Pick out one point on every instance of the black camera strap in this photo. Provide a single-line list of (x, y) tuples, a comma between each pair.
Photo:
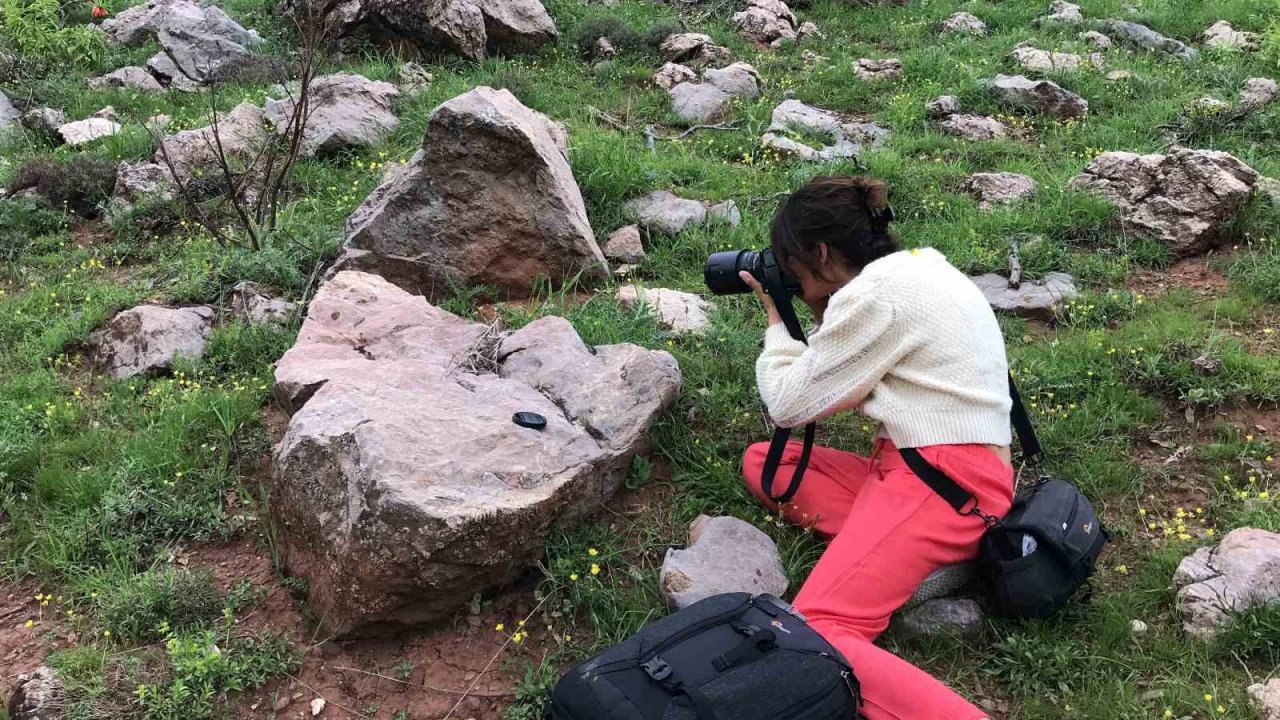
[(775, 286)]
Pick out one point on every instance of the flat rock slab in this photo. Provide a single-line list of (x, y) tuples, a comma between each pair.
[(1182, 199), (846, 138), (147, 338), (346, 111), (1221, 36), (960, 618), (1144, 38), (680, 312), (83, 132), (867, 69), (1034, 59), (1000, 187), (664, 211), (1241, 573), (489, 200), (974, 127), (1034, 299), (725, 555), (133, 77), (1043, 96), (402, 487), (1266, 698)]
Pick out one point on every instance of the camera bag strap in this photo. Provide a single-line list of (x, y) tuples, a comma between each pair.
[(776, 289)]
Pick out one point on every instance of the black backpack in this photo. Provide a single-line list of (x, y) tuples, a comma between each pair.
[(728, 657)]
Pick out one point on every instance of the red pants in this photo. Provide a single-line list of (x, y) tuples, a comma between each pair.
[(888, 531)]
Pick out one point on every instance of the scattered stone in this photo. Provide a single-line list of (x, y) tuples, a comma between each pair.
[(725, 212), (1043, 96), (107, 113), (707, 100), (414, 78), (809, 29), (725, 554), (672, 74), (959, 618), (37, 695), (1145, 38), (1258, 92), (766, 21), (1061, 13), (868, 70), (8, 113), (241, 133), (809, 57), (1266, 698), (489, 199), (1137, 627), (680, 312), (1044, 61), (1182, 199), (1000, 187), (198, 44), (1097, 39), (143, 180), (259, 305), (1221, 36), (145, 339), (942, 106), (963, 23), (847, 138), (1207, 106), (470, 28), (45, 120), (1118, 76), (693, 48), (624, 245), (402, 428), (974, 127), (317, 706), (86, 131), (1241, 573), (281, 704), (1034, 299), (127, 77), (603, 49), (346, 111), (666, 212)]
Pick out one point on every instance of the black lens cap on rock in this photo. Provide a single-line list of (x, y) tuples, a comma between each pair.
[(529, 420)]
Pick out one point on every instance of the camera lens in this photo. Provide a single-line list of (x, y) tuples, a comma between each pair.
[(721, 271)]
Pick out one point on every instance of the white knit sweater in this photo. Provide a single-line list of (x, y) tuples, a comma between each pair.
[(911, 342)]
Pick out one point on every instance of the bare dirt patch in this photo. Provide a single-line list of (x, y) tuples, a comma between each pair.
[(1200, 275), (23, 648)]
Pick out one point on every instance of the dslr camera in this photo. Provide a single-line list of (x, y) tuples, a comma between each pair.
[(722, 268)]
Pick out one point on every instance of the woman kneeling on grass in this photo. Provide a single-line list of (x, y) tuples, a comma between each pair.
[(908, 340)]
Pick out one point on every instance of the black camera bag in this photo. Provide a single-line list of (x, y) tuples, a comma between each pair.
[(728, 657)]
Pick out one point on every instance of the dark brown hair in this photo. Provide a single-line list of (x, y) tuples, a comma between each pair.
[(848, 214)]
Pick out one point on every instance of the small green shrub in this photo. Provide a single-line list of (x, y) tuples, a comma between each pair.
[(178, 599), (36, 28), (21, 222), (80, 185)]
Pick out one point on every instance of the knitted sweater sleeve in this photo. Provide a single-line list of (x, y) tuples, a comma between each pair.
[(860, 340)]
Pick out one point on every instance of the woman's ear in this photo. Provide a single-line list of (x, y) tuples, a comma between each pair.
[(824, 254)]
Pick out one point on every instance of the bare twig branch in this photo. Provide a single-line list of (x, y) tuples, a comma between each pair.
[(696, 128)]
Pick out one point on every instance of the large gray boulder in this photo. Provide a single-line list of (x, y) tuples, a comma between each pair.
[(1043, 96), (345, 111), (1144, 38), (709, 99), (402, 487), (681, 312), (846, 138), (470, 28), (1034, 299), (37, 695), (146, 339), (1182, 199), (241, 133), (489, 199), (199, 44), (766, 21), (1215, 583), (725, 554)]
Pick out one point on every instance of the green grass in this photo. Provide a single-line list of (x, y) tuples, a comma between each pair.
[(100, 479)]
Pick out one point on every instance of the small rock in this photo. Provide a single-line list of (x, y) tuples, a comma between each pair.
[(603, 49), (282, 702), (37, 695), (725, 554), (414, 77), (766, 21), (86, 131), (726, 212), (107, 113), (693, 48), (624, 270), (1137, 627), (943, 617), (1221, 36), (1266, 698), (1100, 41), (809, 29), (809, 57), (624, 245), (1043, 96), (45, 120), (1143, 37), (963, 23), (680, 312), (146, 339), (1061, 13), (143, 181), (705, 101), (1239, 574), (1001, 187), (258, 305), (738, 80), (1034, 299), (1118, 76), (974, 127), (317, 706), (1043, 61), (664, 211), (672, 74), (867, 69), (133, 77), (942, 106), (1258, 92)]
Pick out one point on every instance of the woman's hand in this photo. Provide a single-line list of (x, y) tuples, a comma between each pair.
[(770, 309)]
